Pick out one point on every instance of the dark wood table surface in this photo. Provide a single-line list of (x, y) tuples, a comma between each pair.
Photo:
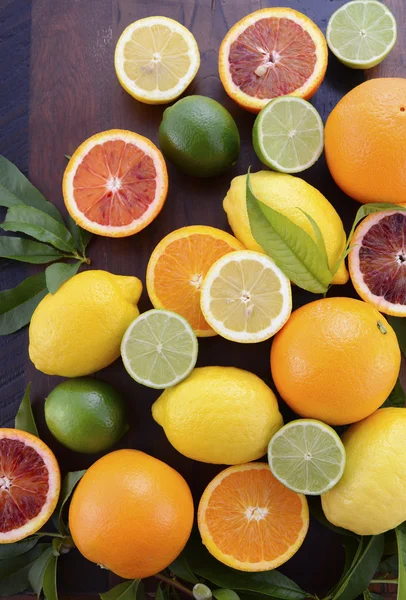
[(58, 87)]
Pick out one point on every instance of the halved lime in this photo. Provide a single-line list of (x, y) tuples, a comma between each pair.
[(159, 349), (307, 456), (361, 33), (288, 135)]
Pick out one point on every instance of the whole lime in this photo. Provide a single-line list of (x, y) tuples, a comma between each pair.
[(199, 136), (86, 415)]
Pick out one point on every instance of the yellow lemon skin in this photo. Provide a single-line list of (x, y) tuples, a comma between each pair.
[(290, 196), (78, 330), (370, 497), (219, 415)]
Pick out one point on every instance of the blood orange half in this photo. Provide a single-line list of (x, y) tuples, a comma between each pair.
[(115, 183), (29, 484), (377, 261), (272, 52)]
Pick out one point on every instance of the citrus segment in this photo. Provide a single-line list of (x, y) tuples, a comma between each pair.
[(246, 297), (250, 521), (159, 349), (29, 484), (115, 183), (361, 33), (156, 59), (307, 456), (377, 261), (272, 52), (177, 267)]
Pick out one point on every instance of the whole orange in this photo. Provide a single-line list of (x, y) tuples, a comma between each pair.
[(131, 513), (336, 360), (365, 141)]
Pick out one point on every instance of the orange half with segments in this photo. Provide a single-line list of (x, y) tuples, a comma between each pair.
[(115, 183), (178, 266), (250, 521)]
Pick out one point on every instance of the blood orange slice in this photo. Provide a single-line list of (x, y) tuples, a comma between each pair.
[(29, 484), (377, 261), (272, 52), (249, 520), (115, 183)]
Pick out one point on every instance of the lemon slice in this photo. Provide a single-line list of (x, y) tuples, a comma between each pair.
[(156, 59), (361, 33), (245, 297)]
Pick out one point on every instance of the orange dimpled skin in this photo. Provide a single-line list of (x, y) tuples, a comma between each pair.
[(365, 141), (336, 360), (131, 513)]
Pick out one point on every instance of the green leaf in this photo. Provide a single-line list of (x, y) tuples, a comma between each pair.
[(399, 327), (16, 189), (224, 594), (389, 566), (397, 396), (159, 594), (291, 248), (318, 236), (180, 567), (68, 485), (68, 156), (49, 583), (81, 236), (40, 226), (123, 591), (17, 548), (14, 571), (357, 579), (401, 538), (28, 251), (18, 304), (58, 273), (37, 572), (24, 418)]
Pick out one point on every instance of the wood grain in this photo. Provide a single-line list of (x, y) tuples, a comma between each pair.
[(74, 93)]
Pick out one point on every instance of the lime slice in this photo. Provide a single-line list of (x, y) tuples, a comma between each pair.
[(288, 135), (307, 456), (159, 349), (361, 33)]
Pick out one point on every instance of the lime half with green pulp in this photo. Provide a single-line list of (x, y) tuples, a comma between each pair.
[(307, 456), (361, 33), (159, 349), (288, 135)]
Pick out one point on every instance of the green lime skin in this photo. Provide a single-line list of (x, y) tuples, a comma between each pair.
[(199, 136), (86, 415)]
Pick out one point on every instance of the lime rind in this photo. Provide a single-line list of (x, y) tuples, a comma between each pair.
[(307, 456), (288, 135), (361, 33), (159, 349)]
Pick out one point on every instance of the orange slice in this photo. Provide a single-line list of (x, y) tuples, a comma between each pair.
[(272, 52), (116, 183), (377, 261), (178, 266), (29, 484), (249, 520)]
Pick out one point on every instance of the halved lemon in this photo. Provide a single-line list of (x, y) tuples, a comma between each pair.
[(246, 297), (156, 59)]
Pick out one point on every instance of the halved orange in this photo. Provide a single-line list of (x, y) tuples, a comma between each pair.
[(30, 482), (272, 52), (377, 261), (116, 183), (250, 521), (178, 265)]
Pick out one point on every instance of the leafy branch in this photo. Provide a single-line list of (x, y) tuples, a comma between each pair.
[(53, 243)]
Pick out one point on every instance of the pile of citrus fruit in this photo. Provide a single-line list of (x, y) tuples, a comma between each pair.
[(334, 361)]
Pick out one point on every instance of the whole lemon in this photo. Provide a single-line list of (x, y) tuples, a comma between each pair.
[(290, 196), (78, 330), (370, 497), (219, 415), (131, 513), (336, 360)]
